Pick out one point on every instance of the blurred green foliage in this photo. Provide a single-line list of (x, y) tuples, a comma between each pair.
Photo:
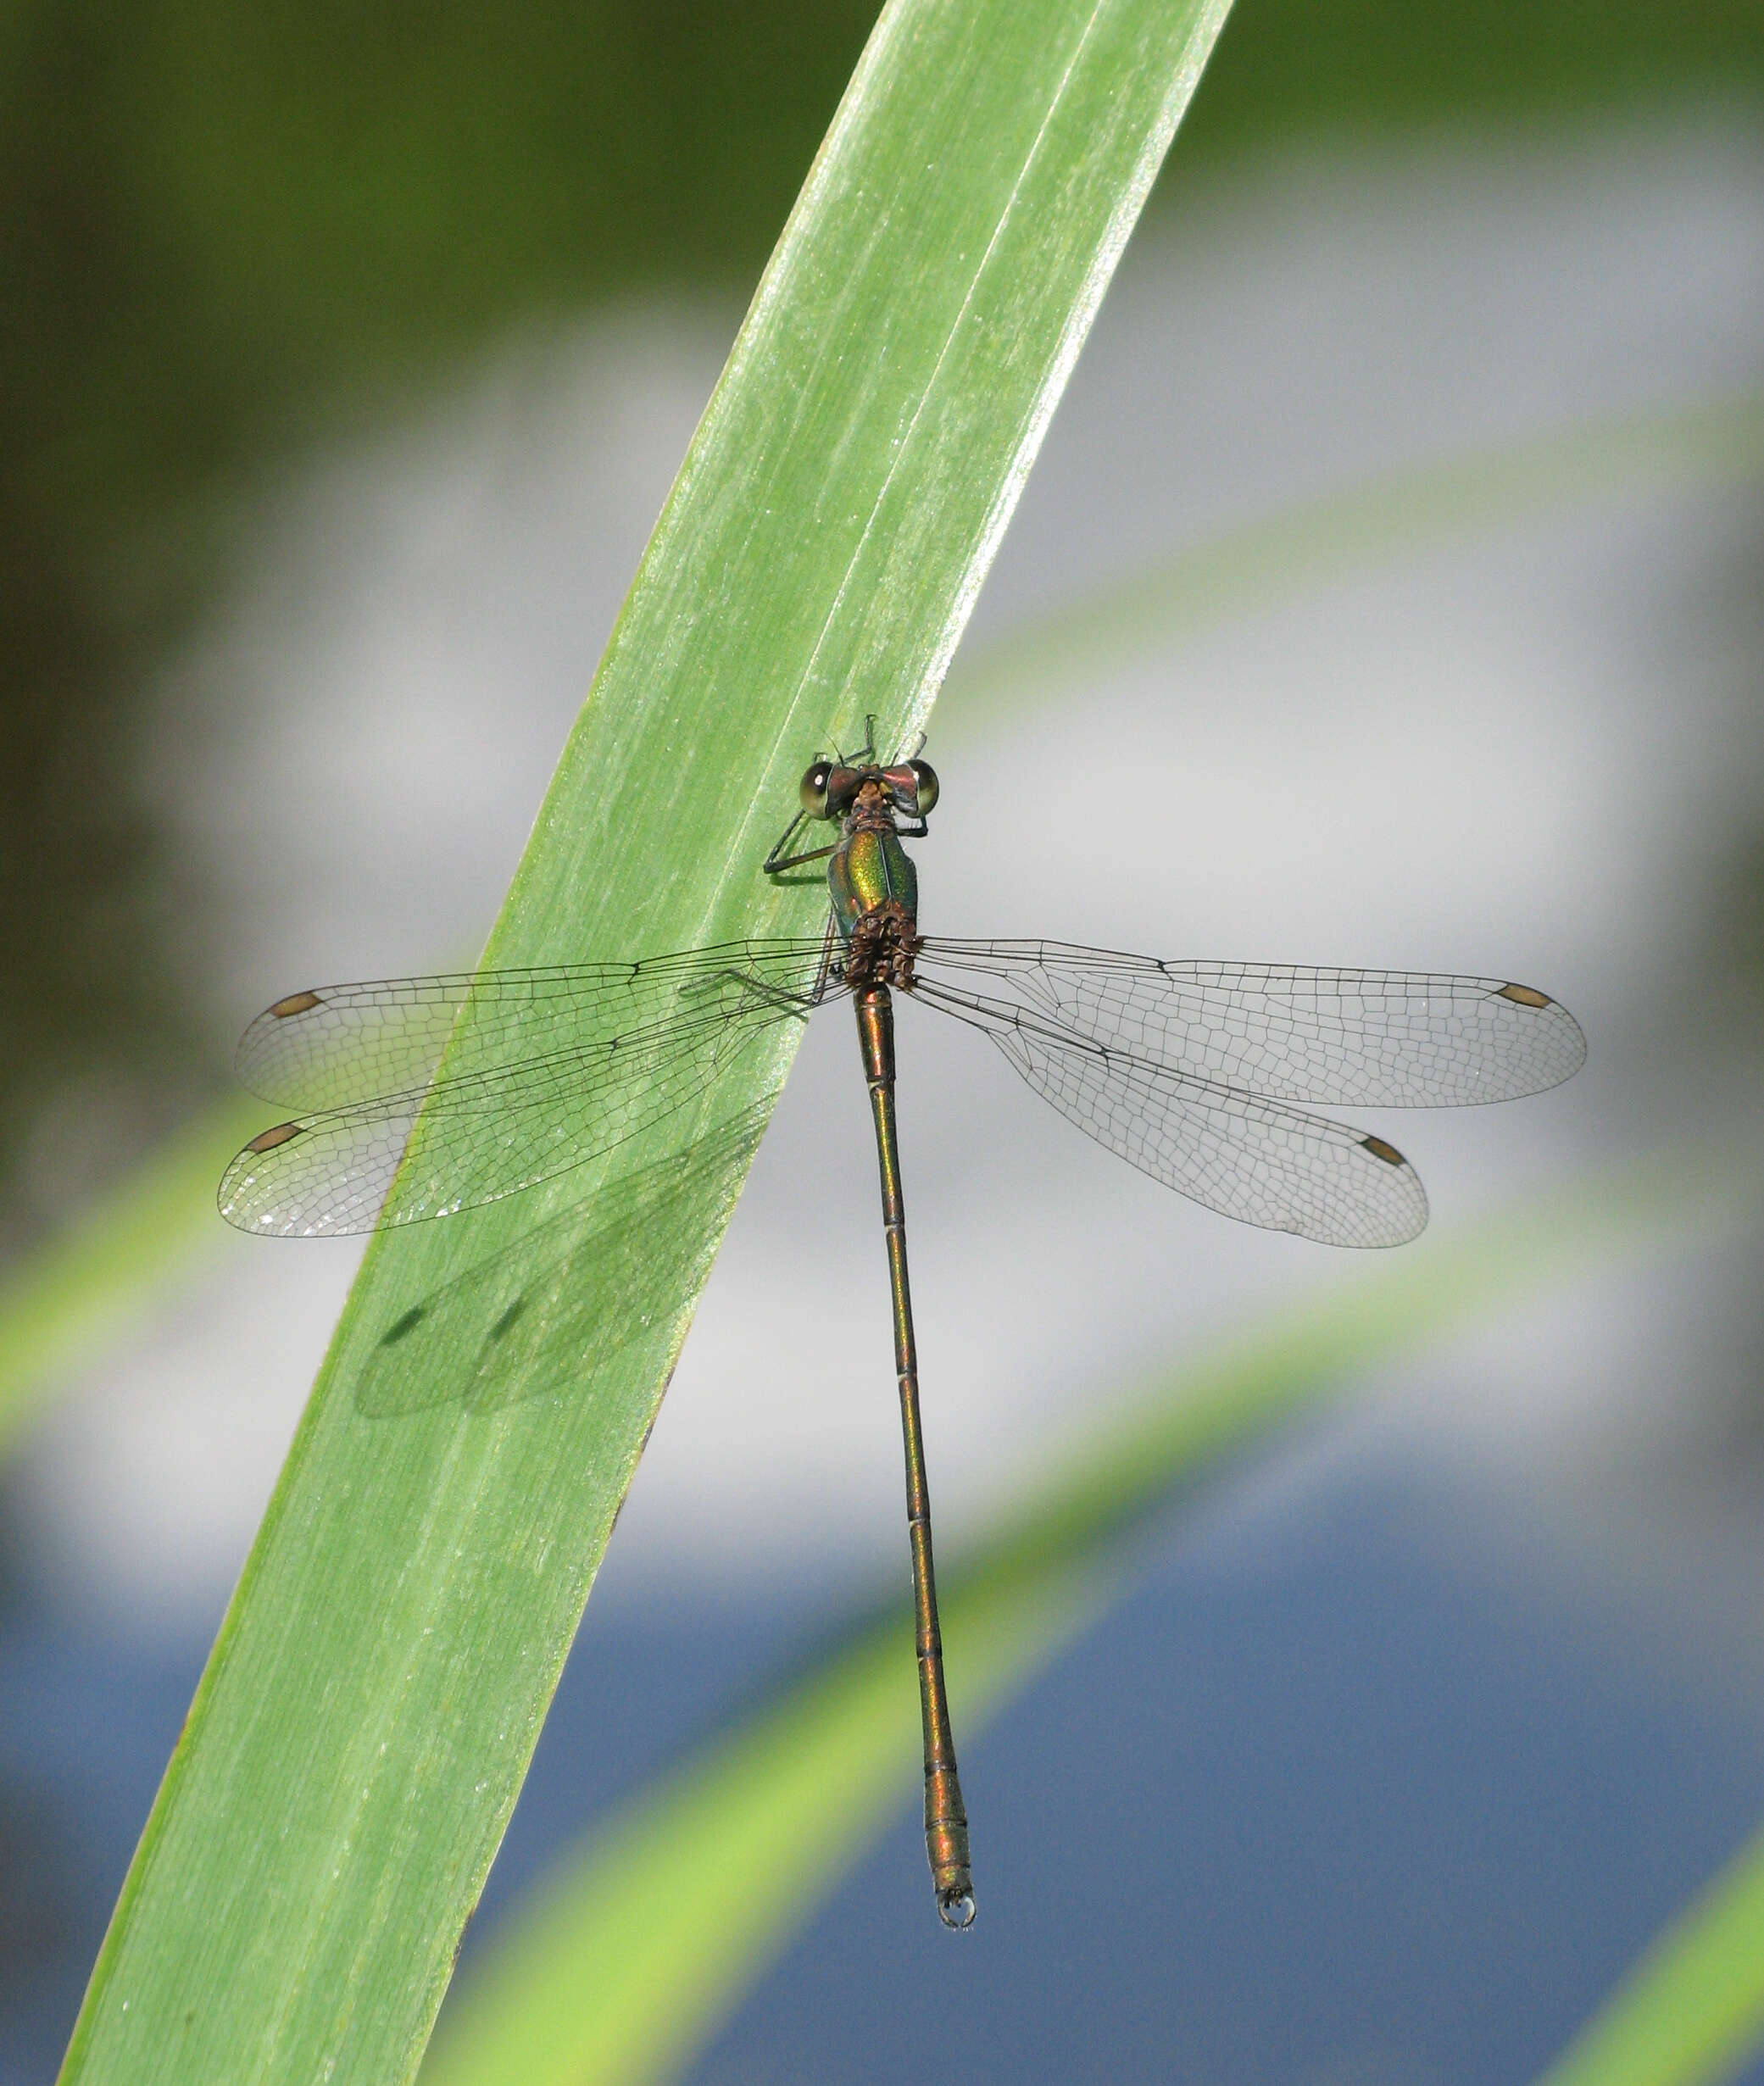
[(227, 231)]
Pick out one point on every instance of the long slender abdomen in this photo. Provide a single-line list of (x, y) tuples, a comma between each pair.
[(946, 1819)]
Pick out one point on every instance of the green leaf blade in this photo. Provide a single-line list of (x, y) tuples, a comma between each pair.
[(1690, 2012), (358, 1739)]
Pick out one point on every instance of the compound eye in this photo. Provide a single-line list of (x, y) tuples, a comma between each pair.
[(813, 789), (926, 778)]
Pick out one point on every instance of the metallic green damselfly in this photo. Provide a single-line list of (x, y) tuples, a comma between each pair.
[(1198, 1073)]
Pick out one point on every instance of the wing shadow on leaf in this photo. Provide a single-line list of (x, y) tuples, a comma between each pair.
[(546, 1314)]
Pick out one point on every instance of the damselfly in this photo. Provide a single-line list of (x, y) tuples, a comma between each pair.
[(421, 1097)]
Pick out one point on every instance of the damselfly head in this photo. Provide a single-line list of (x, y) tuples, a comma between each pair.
[(829, 788)]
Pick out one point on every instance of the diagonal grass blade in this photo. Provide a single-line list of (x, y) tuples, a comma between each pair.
[(368, 1713)]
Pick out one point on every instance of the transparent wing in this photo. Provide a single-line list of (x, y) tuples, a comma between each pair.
[(1352, 1038), (546, 1069), (335, 1046), (1246, 1158)]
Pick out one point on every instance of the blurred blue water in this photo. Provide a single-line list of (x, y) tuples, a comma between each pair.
[(85, 1731), (1331, 1797), (1338, 1810)]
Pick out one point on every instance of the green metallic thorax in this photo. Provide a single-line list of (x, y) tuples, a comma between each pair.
[(867, 869)]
